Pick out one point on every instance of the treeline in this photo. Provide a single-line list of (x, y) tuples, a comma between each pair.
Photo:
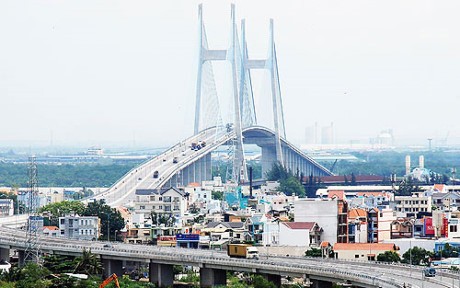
[(384, 163), (79, 175)]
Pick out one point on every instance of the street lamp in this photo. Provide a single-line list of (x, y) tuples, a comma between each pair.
[(115, 235)]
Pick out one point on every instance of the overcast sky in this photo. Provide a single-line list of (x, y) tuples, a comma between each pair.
[(124, 72)]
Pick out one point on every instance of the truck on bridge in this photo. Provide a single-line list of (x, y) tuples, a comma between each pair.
[(242, 251)]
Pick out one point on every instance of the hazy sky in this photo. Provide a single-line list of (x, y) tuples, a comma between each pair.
[(117, 72)]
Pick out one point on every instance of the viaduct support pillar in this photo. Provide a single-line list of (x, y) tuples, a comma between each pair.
[(275, 279), (161, 275), (5, 254), (112, 266), (21, 257), (212, 277), (321, 284)]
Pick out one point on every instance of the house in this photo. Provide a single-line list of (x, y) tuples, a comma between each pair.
[(169, 201), (329, 214), (362, 251), (220, 233), (300, 234), (80, 227), (52, 231)]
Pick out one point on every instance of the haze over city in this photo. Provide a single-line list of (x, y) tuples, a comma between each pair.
[(113, 73)]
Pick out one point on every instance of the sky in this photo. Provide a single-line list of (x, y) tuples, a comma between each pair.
[(114, 73)]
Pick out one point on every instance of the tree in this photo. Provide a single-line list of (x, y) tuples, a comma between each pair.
[(314, 252), (291, 186), (389, 256), (60, 209), (109, 216), (407, 186), (88, 263), (259, 281), (277, 173), (418, 255)]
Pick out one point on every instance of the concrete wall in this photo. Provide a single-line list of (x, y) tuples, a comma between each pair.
[(294, 237), (323, 212)]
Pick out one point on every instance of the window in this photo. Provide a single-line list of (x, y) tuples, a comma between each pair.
[(160, 207), (176, 207), (356, 255), (167, 208), (62, 221), (142, 207), (62, 232), (452, 228)]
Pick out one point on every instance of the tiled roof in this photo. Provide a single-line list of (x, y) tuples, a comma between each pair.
[(365, 246), (51, 227), (357, 213), (193, 184), (336, 193), (299, 225)]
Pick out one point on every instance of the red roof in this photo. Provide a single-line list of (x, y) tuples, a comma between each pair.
[(51, 227), (193, 184), (339, 194), (300, 225)]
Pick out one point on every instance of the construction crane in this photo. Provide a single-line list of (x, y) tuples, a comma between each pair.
[(111, 278), (333, 166)]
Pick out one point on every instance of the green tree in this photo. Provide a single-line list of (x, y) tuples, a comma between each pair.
[(291, 186), (59, 263), (418, 255), (88, 263), (109, 216), (406, 187), (389, 256), (277, 173), (259, 281), (60, 209), (313, 252), (217, 195)]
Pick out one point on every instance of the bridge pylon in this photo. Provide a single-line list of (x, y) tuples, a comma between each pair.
[(207, 112)]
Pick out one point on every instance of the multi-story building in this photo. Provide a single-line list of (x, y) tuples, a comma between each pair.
[(80, 227), (6, 207), (330, 214), (170, 201), (417, 203)]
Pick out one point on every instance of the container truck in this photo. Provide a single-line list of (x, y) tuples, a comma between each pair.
[(242, 251)]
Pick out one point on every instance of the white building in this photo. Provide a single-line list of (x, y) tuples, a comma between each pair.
[(170, 201), (300, 234), (52, 231), (418, 202), (79, 227), (324, 212), (6, 207)]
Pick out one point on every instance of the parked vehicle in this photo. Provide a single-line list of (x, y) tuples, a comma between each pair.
[(242, 251)]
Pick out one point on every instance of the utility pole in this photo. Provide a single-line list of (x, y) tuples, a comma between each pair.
[(32, 252)]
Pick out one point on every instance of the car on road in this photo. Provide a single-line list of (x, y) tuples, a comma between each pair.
[(155, 174), (429, 272)]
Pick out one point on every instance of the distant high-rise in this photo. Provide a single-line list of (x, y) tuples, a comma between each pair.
[(327, 134), (421, 162), (311, 134), (407, 164)]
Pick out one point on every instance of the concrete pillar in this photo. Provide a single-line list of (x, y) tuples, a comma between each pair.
[(161, 275), (112, 266), (268, 158), (212, 277), (21, 257), (5, 254), (321, 284), (273, 278)]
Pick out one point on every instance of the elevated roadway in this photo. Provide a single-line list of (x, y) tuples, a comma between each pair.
[(361, 274), (123, 191)]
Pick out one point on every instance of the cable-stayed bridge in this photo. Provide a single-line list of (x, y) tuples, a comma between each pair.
[(181, 164)]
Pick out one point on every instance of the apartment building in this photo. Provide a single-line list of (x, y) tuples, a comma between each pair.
[(80, 227), (169, 201)]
